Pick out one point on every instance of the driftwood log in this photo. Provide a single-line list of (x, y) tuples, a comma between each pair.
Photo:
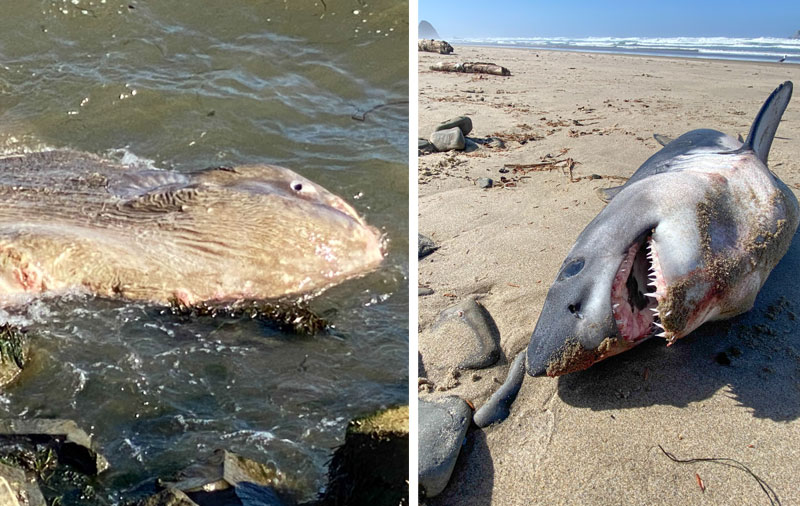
[(472, 67), (434, 46)]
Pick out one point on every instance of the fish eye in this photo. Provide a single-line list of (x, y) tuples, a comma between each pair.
[(571, 269)]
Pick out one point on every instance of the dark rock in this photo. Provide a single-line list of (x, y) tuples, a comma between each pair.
[(424, 290), (464, 123), (168, 497), (470, 326), (442, 426), (14, 352), (426, 246), (446, 140), (427, 31), (71, 444), (425, 147), (595, 176), (372, 465), (796, 35), (498, 406), (16, 488), (230, 479), (470, 145), (485, 182)]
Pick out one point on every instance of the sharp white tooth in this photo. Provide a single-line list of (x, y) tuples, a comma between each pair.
[(654, 310), (653, 295), (619, 322), (615, 306), (659, 325), (668, 313), (663, 334)]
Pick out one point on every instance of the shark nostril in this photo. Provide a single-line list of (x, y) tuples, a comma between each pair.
[(575, 310)]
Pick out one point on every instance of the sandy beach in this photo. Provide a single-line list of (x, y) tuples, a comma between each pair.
[(729, 390)]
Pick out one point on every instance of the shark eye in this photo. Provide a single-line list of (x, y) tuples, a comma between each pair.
[(297, 186), (571, 269)]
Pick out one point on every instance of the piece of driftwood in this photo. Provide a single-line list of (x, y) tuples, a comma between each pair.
[(472, 67), (434, 46)]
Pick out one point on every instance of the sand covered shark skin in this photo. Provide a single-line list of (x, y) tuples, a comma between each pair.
[(690, 238), (72, 221)]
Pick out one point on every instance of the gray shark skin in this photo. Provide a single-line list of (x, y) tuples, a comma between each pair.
[(690, 238)]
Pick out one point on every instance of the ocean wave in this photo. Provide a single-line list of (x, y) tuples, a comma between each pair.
[(755, 48)]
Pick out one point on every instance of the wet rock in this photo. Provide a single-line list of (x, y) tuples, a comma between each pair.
[(464, 336), (485, 182), (71, 444), (424, 290), (446, 140), (464, 123), (372, 465), (230, 479), (17, 489), (425, 246), (13, 353), (442, 426), (168, 497)]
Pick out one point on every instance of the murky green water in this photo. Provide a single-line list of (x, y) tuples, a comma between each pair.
[(197, 84)]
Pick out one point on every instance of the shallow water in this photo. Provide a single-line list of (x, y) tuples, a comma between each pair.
[(193, 87)]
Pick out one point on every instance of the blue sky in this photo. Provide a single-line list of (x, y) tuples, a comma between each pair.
[(626, 18)]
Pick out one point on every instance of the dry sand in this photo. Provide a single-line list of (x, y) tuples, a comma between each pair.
[(592, 437)]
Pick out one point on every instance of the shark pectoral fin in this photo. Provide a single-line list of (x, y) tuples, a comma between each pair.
[(662, 139), (766, 123), (606, 194)]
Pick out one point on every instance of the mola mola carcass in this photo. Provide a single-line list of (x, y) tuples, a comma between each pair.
[(691, 237), (72, 221)]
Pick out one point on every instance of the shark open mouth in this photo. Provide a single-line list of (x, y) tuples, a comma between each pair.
[(637, 289)]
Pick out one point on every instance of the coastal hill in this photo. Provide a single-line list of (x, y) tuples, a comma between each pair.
[(427, 31)]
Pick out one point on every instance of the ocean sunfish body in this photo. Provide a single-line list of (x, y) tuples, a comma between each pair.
[(691, 237), (74, 221)]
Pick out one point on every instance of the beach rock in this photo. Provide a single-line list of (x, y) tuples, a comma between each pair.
[(71, 444), (168, 497), (464, 336), (424, 290), (434, 46), (426, 246), (485, 182), (427, 31), (425, 147), (14, 351), (230, 479), (446, 140), (17, 489), (443, 424), (372, 465), (462, 122)]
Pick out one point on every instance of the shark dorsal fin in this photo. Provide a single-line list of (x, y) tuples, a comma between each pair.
[(766, 123)]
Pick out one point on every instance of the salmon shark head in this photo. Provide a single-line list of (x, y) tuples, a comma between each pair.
[(690, 238)]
